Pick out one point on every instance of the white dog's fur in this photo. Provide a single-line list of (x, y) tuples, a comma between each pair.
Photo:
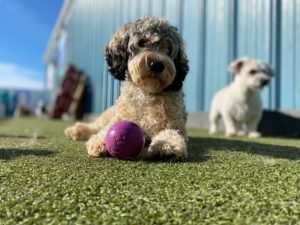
[(239, 104)]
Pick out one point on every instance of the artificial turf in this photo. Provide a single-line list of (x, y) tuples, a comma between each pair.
[(46, 179)]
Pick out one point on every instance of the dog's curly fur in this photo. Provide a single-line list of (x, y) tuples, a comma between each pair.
[(149, 56)]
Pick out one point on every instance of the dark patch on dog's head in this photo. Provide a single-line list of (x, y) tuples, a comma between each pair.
[(116, 53), (182, 69)]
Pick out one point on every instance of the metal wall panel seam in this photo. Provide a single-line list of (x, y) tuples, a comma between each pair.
[(294, 50), (232, 34), (275, 52), (297, 55), (200, 92), (288, 68), (180, 16)]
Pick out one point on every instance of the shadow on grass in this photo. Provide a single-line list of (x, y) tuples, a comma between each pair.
[(21, 136), (199, 146), (8, 154)]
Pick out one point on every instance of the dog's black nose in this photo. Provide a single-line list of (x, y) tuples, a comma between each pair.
[(156, 66), (264, 82)]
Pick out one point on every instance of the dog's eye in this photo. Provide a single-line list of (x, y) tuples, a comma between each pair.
[(253, 72), (142, 43)]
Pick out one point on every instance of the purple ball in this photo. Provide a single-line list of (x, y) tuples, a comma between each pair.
[(124, 140)]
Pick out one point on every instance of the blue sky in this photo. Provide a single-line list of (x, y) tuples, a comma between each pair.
[(25, 28)]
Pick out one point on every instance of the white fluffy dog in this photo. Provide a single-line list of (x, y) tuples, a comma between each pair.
[(239, 104)]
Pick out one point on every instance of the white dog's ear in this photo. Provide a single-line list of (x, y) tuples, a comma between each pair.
[(236, 66)]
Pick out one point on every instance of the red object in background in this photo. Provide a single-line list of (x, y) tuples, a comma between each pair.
[(70, 95), (71, 81)]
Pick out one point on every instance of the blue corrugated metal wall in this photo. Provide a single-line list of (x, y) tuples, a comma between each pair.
[(290, 51), (215, 31)]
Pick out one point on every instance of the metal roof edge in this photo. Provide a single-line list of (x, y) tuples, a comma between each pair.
[(63, 17)]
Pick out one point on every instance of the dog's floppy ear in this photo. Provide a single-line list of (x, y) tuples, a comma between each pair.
[(116, 53), (236, 66), (181, 63)]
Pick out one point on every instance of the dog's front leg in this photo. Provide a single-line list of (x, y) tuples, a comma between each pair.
[(167, 143), (252, 128), (230, 126), (96, 145), (81, 131)]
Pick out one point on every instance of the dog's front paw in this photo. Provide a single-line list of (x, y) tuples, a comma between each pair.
[(79, 131), (165, 149), (212, 131), (231, 134), (96, 146), (167, 144), (254, 134)]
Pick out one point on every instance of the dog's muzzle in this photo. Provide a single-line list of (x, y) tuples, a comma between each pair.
[(152, 71)]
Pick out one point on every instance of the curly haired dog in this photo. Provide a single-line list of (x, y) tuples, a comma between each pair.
[(239, 104), (149, 56)]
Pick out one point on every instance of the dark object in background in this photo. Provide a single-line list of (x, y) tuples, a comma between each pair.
[(22, 111), (70, 97), (7, 103), (275, 123), (41, 109)]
